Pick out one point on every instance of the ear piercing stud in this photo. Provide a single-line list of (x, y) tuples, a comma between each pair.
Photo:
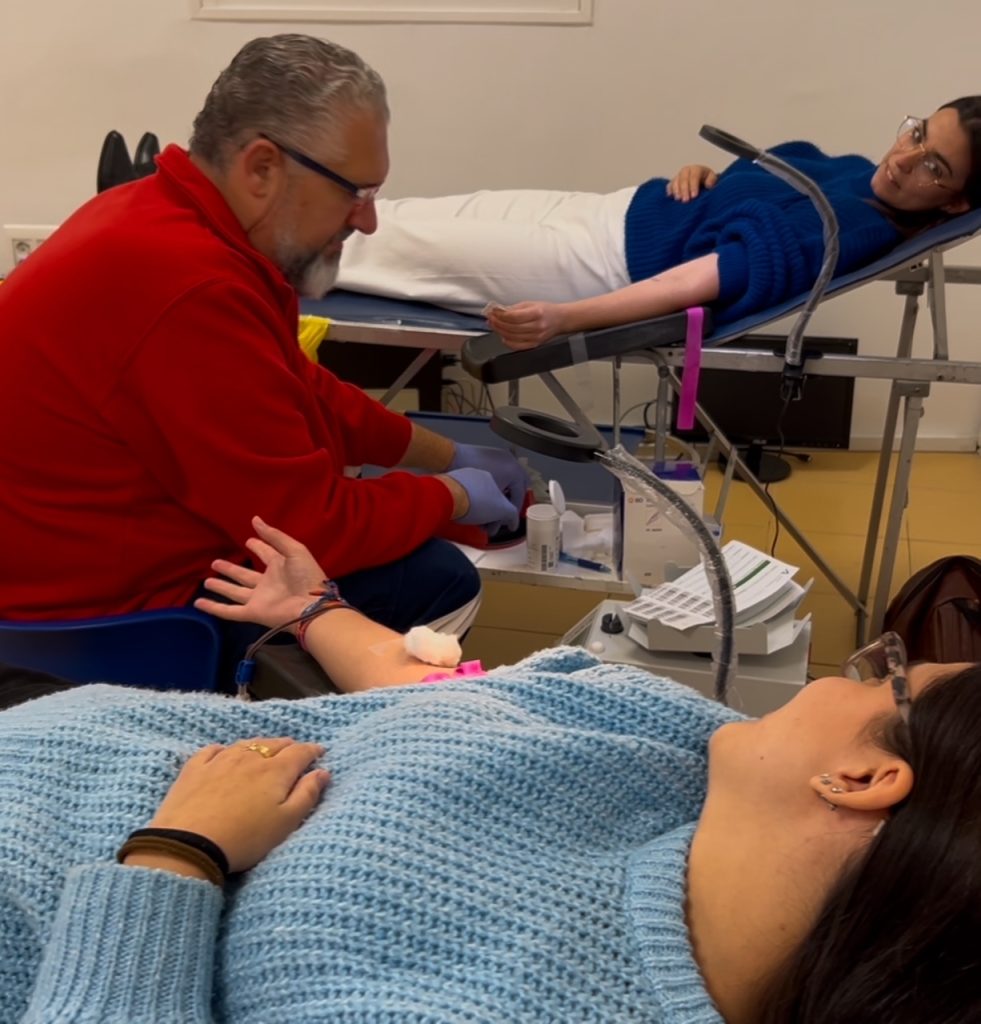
[(826, 780)]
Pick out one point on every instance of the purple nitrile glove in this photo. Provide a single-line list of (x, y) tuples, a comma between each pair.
[(488, 506), (508, 473)]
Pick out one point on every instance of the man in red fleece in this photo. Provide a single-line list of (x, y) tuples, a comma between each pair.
[(170, 403)]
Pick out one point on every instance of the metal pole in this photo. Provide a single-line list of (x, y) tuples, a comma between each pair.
[(904, 347), (913, 395), (938, 305), (720, 504), (617, 363), (408, 373), (661, 426), (566, 400)]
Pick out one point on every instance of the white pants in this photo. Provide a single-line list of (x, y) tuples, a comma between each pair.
[(458, 621), (462, 252)]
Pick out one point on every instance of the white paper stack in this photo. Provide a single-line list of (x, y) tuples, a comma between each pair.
[(679, 616)]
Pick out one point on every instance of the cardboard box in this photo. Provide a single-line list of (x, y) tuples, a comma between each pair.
[(654, 546), (770, 631)]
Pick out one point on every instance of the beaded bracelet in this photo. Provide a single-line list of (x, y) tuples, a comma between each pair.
[(328, 598), (189, 846)]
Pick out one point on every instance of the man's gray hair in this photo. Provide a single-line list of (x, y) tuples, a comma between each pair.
[(294, 88)]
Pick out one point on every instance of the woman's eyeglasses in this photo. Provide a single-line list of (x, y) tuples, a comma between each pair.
[(928, 170), (881, 661)]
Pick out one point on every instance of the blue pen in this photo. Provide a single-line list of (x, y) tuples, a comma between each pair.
[(583, 563)]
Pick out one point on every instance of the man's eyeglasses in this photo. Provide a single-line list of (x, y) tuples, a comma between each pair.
[(928, 170), (361, 193), (875, 663)]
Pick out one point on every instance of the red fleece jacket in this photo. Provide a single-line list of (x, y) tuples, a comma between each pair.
[(153, 398)]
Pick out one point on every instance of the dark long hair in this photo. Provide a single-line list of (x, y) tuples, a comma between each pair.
[(969, 112), (899, 939)]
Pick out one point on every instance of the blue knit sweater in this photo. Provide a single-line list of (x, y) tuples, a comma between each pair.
[(506, 849), (768, 235)]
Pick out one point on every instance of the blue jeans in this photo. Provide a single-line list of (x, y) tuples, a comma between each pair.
[(425, 585)]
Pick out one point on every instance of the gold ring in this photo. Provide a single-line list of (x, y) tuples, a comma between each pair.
[(260, 748)]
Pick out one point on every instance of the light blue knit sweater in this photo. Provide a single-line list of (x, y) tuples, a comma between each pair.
[(508, 849)]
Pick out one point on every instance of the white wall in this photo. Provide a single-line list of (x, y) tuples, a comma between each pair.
[(494, 106)]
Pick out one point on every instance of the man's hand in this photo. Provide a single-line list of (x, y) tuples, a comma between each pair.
[(527, 324), (485, 503), (690, 180), (508, 473), (272, 597)]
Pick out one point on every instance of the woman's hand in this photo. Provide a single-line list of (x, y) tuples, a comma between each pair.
[(690, 180), (271, 597), (245, 800), (527, 324)]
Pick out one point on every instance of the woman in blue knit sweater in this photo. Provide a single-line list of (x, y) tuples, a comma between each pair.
[(741, 240), (560, 841)]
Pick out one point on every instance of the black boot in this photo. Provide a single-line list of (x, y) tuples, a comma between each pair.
[(144, 159), (115, 166)]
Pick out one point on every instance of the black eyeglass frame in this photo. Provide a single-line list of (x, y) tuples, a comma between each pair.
[(360, 193)]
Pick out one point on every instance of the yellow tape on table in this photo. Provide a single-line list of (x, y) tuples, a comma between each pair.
[(312, 331)]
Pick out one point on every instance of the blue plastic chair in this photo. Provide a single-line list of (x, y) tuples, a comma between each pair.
[(170, 649)]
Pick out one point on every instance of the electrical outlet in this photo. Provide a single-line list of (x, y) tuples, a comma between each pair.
[(20, 240)]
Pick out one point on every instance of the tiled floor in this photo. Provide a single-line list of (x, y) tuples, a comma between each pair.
[(828, 499)]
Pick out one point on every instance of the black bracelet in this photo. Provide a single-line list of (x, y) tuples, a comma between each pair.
[(195, 841)]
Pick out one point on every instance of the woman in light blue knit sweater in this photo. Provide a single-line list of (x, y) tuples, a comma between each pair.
[(561, 841), (742, 240)]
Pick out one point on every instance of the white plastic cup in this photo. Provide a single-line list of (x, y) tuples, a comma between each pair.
[(543, 537)]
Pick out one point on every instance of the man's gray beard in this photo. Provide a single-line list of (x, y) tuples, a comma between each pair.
[(312, 276)]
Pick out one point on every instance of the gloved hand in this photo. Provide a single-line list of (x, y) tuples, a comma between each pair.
[(508, 473), (488, 505)]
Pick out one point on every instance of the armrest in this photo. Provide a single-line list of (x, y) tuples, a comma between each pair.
[(488, 359)]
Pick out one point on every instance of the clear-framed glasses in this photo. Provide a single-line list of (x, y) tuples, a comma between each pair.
[(361, 193), (883, 660), (928, 170)]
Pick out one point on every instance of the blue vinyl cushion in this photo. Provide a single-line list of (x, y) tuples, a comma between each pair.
[(370, 309), (168, 649)]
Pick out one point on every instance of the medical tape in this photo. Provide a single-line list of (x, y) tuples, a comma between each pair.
[(583, 375), (693, 365), (387, 646)]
